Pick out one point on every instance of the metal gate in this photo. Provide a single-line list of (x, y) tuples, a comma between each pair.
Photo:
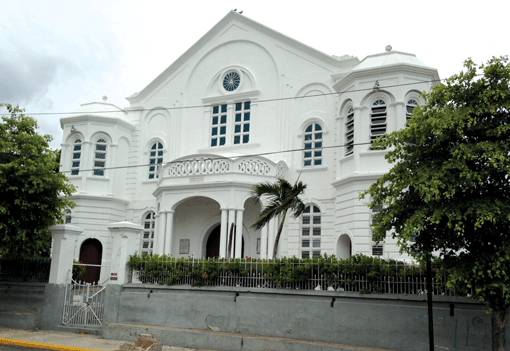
[(84, 305)]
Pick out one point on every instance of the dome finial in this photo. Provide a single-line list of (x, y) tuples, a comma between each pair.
[(388, 48), (105, 98)]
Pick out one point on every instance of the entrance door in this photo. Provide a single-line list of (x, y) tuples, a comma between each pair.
[(91, 252), (212, 248)]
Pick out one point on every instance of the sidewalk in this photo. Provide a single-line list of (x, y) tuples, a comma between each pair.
[(63, 341), (76, 341)]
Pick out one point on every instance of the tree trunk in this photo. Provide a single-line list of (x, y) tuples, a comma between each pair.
[(277, 239), (499, 320)]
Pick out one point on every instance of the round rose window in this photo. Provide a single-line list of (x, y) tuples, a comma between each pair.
[(231, 81)]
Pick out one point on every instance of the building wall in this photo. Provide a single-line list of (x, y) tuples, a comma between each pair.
[(290, 87)]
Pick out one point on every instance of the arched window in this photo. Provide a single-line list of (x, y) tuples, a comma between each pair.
[(411, 104), (312, 155), (155, 159), (147, 240), (75, 162), (68, 218), (349, 132), (100, 158), (311, 232), (377, 119)]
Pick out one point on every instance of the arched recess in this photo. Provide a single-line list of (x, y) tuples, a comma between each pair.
[(344, 247), (91, 253), (212, 246)]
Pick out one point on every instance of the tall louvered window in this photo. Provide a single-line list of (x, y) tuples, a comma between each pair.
[(75, 162), (377, 119), (411, 104), (100, 158), (349, 132)]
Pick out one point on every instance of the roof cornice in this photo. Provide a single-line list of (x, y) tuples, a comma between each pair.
[(347, 80), (86, 118)]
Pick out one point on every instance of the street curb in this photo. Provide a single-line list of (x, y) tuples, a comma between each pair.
[(38, 345)]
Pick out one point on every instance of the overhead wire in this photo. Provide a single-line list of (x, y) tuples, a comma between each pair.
[(210, 105)]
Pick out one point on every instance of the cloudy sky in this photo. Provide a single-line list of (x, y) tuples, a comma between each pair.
[(56, 55)]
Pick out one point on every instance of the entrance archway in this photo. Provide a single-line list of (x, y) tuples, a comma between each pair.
[(212, 248), (91, 252), (344, 247)]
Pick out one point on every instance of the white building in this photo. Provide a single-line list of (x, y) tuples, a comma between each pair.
[(243, 105)]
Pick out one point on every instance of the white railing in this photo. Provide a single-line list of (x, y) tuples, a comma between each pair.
[(206, 166), (395, 278)]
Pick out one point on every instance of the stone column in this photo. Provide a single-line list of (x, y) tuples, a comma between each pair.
[(270, 238), (64, 241), (169, 233), (161, 223), (223, 234), (239, 233), (126, 240), (263, 242), (231, 222)]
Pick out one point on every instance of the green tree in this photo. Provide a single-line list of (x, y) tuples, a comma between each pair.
[(450, 184), (32, 194), (282, 197)]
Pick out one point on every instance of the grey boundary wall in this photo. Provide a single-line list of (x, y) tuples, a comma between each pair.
[(232, 318), (391, 321)]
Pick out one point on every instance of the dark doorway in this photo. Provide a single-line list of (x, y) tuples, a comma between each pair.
[(91, 252), (212, 248)]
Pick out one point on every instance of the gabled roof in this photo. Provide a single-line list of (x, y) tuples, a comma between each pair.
[(233, 16)]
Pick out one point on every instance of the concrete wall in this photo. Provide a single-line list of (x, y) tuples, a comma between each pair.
[(385, 321), (31, 305)]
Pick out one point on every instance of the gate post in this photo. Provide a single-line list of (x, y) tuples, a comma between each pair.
[(62, 253), (126, 241)]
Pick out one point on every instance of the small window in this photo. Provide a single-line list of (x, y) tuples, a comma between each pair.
[(377, 120), (147, 240), (349, 132), (155, 159), (312, 153), (68, 217), (75, 162), (377, 250), (100, 158), (311, 224)]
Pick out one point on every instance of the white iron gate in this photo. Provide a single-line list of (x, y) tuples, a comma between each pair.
[(84, 305)]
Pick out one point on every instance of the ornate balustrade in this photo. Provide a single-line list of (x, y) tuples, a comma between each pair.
[(201, 166)]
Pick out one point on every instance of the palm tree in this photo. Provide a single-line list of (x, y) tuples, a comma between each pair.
[(282, 198)]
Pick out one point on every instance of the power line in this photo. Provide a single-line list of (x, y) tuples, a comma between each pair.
[(210, 105), (208, 159)]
